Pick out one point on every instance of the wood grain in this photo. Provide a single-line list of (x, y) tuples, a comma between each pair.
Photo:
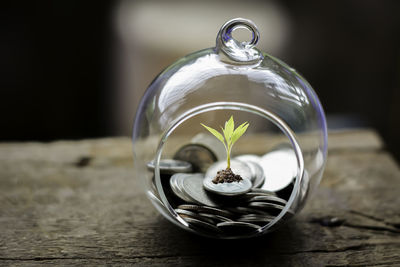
[(78, 203)]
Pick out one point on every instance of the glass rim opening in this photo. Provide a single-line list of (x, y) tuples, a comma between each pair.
[(277, 121)]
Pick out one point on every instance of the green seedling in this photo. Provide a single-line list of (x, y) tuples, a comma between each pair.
[(229, 137)]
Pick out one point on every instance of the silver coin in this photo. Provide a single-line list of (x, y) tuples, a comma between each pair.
[(266, 205), (200, 224), (175, 179), (179, 183), (228, 189), (174, 187), (193, 215), (211, 143), (205, 209), (257, 216), (247, 210), (257, 174), (254, 194), (238, 226), (267, 199), (255, 220), (192, 187), (171, 166), (261, 191), (201, 157), (249, 157), (215, 217), (280, 168), (233, 188), (238, 167), (253, 161)]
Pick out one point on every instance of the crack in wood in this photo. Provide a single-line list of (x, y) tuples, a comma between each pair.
[(89, 258), (394, 263), (372, 227), (359, 247), (344, 249), (396, 225), (332, 221)]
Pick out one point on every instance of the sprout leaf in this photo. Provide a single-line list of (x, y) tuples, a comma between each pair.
[(239, 132), (230, 135), (229, 126), (214, 132)]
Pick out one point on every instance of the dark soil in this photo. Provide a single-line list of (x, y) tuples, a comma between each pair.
[(226, 176)]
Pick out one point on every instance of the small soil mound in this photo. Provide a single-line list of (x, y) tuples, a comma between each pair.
[(226, 176)]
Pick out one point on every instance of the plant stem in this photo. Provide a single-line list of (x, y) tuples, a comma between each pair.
[(228, 152)]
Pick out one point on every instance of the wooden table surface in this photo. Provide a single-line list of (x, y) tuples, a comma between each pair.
[(78, 203)]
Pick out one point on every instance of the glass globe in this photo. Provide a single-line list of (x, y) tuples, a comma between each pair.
[(280, 157)]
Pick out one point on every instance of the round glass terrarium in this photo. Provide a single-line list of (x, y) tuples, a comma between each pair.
[(229, 141)]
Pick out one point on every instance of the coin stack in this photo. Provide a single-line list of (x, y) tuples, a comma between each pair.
[(228, 210)]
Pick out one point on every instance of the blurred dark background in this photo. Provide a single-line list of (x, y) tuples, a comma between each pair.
[(65, 65)]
